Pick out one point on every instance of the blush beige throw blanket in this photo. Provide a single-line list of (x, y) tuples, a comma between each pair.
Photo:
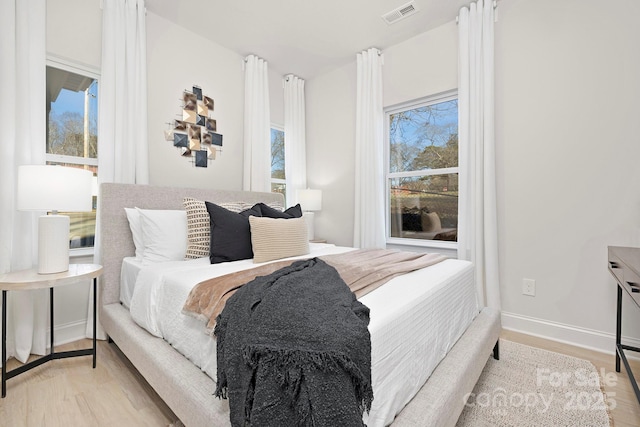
[(363, 270)]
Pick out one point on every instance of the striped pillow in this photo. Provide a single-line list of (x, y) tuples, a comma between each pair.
[(275, 238), (198, 228)]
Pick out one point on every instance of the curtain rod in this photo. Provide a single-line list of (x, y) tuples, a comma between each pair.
[(378, 49), (245, 60), (251, 54), (495, 7)]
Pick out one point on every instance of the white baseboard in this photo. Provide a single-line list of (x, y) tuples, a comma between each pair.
[(591, 339), (603, 342), (68, 332)]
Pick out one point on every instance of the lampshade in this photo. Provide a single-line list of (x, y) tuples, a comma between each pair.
[(310, 200), (53, 188)]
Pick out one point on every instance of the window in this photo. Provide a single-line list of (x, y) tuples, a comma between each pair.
[(72, 134), (278, 183), (422, 174)]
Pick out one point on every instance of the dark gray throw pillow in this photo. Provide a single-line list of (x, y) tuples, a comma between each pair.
[(269, 212), (230, 233)]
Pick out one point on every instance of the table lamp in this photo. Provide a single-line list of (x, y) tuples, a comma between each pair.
[(310, 200), (53, 188)]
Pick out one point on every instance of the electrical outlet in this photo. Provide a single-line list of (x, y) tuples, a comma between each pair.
[(529, 287)]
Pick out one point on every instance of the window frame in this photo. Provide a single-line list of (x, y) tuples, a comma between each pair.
[(94, 73), (388, 175)]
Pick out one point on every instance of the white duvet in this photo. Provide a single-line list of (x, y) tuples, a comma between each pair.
[(414, 319)]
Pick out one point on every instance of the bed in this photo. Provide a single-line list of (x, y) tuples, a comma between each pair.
[(187, 388)]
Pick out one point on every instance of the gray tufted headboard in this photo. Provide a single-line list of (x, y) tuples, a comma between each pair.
[(114, 240)]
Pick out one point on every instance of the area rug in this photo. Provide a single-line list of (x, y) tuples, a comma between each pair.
[(530, 387)]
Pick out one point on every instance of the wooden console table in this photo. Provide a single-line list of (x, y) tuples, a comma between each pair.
[(624, 265)]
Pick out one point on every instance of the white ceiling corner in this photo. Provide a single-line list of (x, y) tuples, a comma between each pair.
[(303, 37)]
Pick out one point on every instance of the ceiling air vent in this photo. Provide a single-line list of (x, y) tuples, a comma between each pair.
[(400, 13)]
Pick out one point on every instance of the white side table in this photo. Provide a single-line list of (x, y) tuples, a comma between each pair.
[(30, 279)]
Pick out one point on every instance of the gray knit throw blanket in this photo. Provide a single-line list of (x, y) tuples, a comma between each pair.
[(293, 349)]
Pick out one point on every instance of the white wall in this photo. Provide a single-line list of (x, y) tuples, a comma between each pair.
[(422, 66), (567, 124), (330, 129), (566, 117), (276, 97), (178, 59), (74, 30)]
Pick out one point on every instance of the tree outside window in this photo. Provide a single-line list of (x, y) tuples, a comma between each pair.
[(422, 175), (278, 183), (72, 135)]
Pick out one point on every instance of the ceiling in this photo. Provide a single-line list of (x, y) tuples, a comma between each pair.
[(303, 37)]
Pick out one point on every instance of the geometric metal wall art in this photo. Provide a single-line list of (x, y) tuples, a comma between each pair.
[(195, 132)]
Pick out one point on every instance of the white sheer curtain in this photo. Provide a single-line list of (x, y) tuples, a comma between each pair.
[(123, 153), (123, 147), (22, 142), (257, 126), (295, 140), (369, 226), (478, 231)]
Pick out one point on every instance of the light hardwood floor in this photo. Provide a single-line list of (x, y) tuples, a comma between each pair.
[(69, 392)]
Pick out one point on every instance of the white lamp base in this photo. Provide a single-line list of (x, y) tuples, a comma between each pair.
[(308, 217), (53, 244)]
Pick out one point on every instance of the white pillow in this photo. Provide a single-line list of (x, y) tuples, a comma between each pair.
[(136, 230), (164, 234)]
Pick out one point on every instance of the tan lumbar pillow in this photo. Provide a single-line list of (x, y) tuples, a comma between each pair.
[(276, 238)]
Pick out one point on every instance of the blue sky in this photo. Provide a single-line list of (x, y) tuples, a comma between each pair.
[(74, 101), (69, 101), (445, 117)]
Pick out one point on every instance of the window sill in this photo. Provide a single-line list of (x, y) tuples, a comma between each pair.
[(422, 243), (81, 253), (446, 248)]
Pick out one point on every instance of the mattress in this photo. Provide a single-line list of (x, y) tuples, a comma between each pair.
[(131, 266), (414, 320)]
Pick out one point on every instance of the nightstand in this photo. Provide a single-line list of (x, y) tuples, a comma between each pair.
[(30, 279)]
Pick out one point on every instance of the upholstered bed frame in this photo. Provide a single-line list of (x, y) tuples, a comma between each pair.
[(185, 388)]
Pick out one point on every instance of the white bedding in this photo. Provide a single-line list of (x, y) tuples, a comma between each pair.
[(415, 320), (131, 266)]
